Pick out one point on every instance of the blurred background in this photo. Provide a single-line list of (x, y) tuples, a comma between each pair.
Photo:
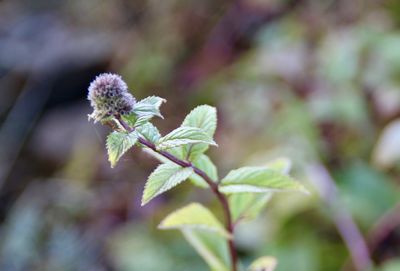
[(317, 81)]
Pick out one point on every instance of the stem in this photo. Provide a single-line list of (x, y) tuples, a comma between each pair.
[(213, 186), (342, 218)]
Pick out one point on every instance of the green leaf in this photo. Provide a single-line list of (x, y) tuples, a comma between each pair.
[(118, 143), (147, 108), (247, 206), (205, 118), (130, 119), (165, 177), (258, 180), (183, 136), (204, 163), (263, 264), (213, 248), (194, 216), (282, 165), (149, 132)]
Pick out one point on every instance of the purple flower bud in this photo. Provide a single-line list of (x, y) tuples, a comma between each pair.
[(109, 96)]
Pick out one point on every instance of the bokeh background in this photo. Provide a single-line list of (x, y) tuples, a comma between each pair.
[(317, 81)]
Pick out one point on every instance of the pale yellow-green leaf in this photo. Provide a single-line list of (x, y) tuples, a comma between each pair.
[(149, 132), (194, 216), (147, 108), (258, 180), (211, 247), (203, 117), (118, 143), (165, 177), (183, 136), (247, 206), (282, 165), (263, 264)]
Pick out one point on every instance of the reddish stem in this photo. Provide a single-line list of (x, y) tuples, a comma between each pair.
[(213, 186)]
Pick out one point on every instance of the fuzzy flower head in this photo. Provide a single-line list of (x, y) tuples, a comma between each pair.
[(109, 96)]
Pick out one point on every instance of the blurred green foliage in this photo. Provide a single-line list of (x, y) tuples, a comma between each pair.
[(318, 84)]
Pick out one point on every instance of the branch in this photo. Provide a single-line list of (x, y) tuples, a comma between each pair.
[(213, 186), (342, 219)]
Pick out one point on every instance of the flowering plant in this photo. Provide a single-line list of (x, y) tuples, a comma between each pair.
[(242, 193)]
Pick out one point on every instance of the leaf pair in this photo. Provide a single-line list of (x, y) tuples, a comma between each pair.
[(118, 143), (194, 135), (189, 141), (203, 117)]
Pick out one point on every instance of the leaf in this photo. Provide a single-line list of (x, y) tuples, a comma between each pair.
[(204, 163), (282, 165), (247, 206), (165, 177), (147, 108), (182, 136), (118, 143), (149, 132), (213, 248), (130, 118), (258, 180), (194, 216), (205, 118), (263, 264)]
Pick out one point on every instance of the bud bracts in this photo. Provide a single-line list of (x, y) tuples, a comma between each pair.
[(109, 96)]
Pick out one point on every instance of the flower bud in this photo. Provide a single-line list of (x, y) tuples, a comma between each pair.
[(109, 96)]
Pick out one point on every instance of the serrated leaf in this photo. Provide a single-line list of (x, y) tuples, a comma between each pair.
[(163, 178), (149, 132), (203, 117), (194, 216), (204, 163), (211, 247), (118, 143), (183, 136), (147, 108), (263, 264), (247, 206), (258, 180)]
